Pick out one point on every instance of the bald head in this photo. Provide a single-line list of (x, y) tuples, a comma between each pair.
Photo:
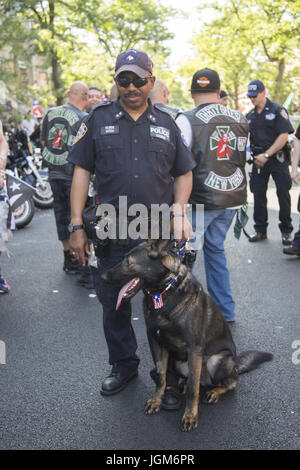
[(78, 95), (159, 93)]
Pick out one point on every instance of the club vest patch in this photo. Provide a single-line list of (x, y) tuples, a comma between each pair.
[(60, 137), (223, 140), (209, 112), (224, 183)]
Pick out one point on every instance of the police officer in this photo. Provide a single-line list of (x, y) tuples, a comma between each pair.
[(59, 130), (218, 138), (269, 129), (136, 151)]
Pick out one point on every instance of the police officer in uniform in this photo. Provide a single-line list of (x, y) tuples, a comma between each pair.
[(218, 138), (135, 150), (269, 129)]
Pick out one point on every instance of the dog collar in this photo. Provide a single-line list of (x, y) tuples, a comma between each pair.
[(157, 298)]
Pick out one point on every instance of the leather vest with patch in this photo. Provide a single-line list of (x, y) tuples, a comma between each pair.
[(220, 137)]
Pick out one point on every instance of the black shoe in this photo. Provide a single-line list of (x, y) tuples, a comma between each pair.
[(292, 250), (71, 265), (258, 237), (86, 280), (115, 382), (172, 399), (287, 238)]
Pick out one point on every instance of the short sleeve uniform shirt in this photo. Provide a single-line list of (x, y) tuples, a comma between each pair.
[(138, 159), (268, 125)]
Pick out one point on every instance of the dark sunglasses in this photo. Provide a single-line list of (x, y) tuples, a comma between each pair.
[(138, 82)]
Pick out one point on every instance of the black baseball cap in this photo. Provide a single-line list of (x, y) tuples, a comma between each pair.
[(255, 87), (206, 80), (135, 61), (223, 94)]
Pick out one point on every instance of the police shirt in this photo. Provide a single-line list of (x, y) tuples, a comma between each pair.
[(268, 125), (138, 159)]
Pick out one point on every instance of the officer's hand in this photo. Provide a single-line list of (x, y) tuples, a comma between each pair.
[(260, 160), (79, 246), (295, 176), (181, 228)]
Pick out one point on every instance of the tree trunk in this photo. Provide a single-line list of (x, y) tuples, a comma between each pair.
[(56, 70), (56, 79), (279, 80)]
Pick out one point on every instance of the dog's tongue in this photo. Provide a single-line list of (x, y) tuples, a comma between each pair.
[(123, 291)]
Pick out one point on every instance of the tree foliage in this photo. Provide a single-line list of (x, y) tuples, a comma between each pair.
[(72, 35), (251, 39)]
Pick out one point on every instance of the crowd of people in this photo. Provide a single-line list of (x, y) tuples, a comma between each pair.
[(136, 145)]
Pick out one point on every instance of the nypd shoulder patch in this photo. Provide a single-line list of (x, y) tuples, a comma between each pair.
[(81, 132), (284, 113)]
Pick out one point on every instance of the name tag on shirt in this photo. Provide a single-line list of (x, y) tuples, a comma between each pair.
[(160, 133), (107, 130)]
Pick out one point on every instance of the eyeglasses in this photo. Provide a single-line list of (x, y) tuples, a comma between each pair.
[(138, 82)]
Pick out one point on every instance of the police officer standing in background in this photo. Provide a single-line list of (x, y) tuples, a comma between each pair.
[(135, 150), (269, 129)]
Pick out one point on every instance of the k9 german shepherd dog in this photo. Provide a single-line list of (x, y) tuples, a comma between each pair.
[(183, 320)]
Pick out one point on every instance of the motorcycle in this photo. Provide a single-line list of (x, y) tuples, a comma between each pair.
[(30, 169), (38, 177)]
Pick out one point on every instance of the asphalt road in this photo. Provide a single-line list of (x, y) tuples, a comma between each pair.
[(56, 356)]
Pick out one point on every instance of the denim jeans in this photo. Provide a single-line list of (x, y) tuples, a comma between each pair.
[(216, 225)]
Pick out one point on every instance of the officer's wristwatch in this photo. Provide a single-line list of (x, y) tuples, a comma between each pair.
[(266, 155), (72, 227)]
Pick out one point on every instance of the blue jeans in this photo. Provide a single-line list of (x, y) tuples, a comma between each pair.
[(216, 226)]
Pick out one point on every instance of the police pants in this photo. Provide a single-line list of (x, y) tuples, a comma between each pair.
[(259, 185), (118, 330)]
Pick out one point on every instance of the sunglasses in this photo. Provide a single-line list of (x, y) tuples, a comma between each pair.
[(138, 82)]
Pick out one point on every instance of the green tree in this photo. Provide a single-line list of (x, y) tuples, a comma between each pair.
[(71, 34), (124, 24), (250, 39)]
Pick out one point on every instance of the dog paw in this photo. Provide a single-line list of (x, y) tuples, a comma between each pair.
[(189, 422), (152, 406), (211, 398)]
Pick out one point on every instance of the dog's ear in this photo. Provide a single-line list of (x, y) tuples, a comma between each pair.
[(159, 248), (172, 263)]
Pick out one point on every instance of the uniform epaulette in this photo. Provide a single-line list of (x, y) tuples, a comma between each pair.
[(100, 105)]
